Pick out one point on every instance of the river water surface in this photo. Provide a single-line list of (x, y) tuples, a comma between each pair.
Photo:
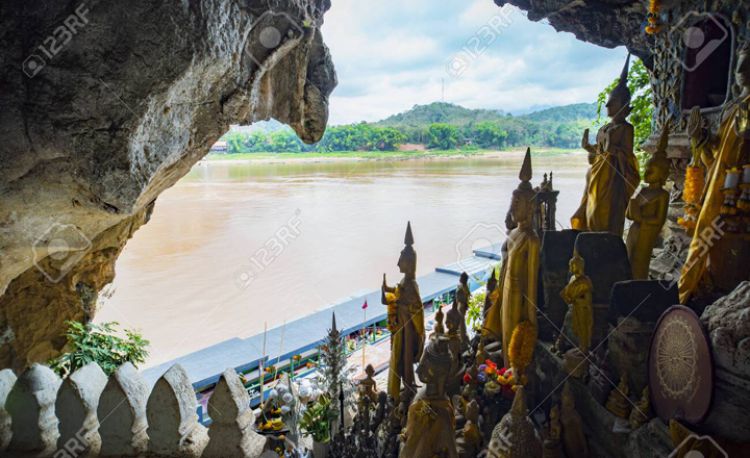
[(236, 245)]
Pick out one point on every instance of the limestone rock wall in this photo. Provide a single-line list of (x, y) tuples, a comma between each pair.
[(106, 104)]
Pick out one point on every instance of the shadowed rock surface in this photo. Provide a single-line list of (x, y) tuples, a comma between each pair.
[(107, 104)]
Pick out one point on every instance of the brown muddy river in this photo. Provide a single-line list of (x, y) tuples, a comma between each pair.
[(237, 244)]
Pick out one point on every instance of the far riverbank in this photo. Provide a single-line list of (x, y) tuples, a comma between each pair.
[(340, 156)]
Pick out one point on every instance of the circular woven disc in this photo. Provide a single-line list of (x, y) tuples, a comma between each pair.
[(680, 367)]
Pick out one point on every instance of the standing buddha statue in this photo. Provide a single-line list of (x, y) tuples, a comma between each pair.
[(578, 295), (648, 210), (405, 320), (613, 176), (463, 295), (519, 282), (728, 156), (430, 427)]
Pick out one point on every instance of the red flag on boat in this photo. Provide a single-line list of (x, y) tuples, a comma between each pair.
[(364, 306)]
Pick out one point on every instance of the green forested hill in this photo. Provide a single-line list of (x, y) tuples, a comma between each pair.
[(437, 125)]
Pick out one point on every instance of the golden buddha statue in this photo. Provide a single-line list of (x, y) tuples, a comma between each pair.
[(492, 328), (728, 155), (553, 438), (439, 329), (618, 403), (519, 282), (430, 427), (515, 435), (405, 320), (613, 176), (574, 440), (368, 387), (469, 441), (642, 411), (578, 295), (491, 294), (648, 210)]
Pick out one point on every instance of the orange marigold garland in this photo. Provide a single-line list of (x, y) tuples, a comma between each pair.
[(654, 7), (691, 194), (521, 349)]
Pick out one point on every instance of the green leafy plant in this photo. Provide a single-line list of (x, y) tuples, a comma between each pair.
[(474, 312), (102, 344), (317, 418)]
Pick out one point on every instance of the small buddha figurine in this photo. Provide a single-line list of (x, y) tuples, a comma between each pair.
[(613, 176), (492, 327), (439, 328), (430, 421), (578, 295), (515, 435), (469, 442), (642, 411), (618, 403), (648, 210), (553, 440), (574, 440), (519, 282), (453, 322), (368, 387), (463, 295), (406, 320)]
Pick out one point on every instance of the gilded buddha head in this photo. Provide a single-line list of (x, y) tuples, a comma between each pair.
[(576, 264), (407, 262), (522, 203), (618, 105)]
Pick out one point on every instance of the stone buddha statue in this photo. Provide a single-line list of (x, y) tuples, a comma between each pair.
[(368, 387), (463, 295), (515, 435), (519, 282), (430, 427), (578, 295), (453, 320), (648, 210), (406, 320), (469, 440), (439, 329), (613, 176)]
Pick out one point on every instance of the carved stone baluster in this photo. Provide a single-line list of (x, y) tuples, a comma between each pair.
[(76, 405), (7, 380), (122, 413), (31, 405), (173, 427), (231, 433)]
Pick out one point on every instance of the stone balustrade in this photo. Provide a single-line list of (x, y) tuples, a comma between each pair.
[(89, 414)]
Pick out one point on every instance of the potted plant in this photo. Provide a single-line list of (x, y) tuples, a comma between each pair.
[(316, 422)]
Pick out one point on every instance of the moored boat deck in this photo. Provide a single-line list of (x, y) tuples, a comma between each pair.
[(303, 334)]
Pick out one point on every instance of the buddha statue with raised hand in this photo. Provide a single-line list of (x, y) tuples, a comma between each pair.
[(430, 426), (613, 176), (578, 294), (648, 210), (405, 320), (519, 285)]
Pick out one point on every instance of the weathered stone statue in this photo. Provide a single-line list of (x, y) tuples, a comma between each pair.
[(578, 295), (469, 441), (553, 440), (406, 320), (728, 154), (648, 210), (574, 440), (439, 329), (515, 435), (430, 422), (453, 320), (368, 387), (519, 283), (613, 176)]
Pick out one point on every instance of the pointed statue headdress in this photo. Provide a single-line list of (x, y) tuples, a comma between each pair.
[(524, 187), (622, 91)]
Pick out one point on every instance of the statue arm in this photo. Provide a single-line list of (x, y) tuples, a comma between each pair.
[(661, 211)]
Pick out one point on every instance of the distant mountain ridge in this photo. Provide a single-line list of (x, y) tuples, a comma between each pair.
[(442, 112)]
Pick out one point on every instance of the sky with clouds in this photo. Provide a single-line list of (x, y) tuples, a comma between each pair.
[(393, 54)]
